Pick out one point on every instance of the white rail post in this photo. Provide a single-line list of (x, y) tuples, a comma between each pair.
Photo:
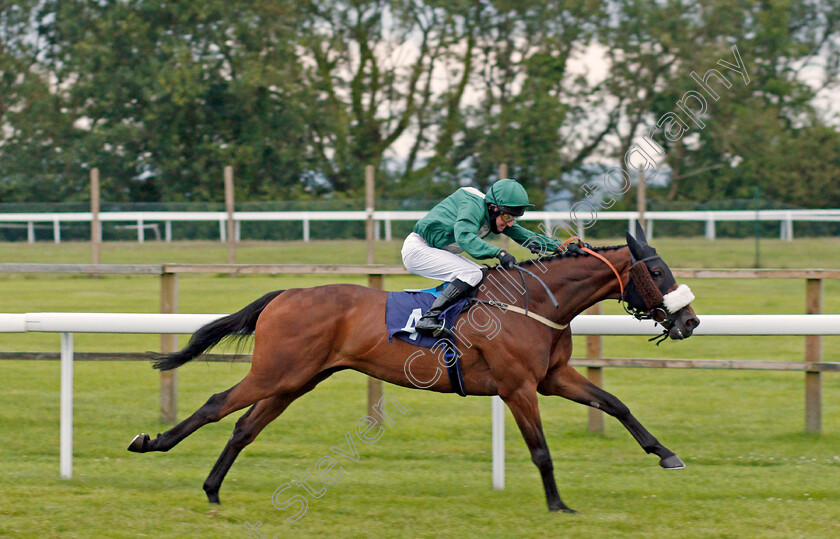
[(66, 440), (710, 228), (56, 230), (498, 443), (167, 227), (30, 232), (787, 228), (141, 233), (229, 209), (95, 223)]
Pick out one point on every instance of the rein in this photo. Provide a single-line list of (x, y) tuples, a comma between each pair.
[(526, 311), (545, 286), (585, 249), (542, 319)]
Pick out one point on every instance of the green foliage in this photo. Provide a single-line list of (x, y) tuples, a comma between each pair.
[(300, 96)]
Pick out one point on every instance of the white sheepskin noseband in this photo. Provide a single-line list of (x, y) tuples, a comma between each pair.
[(679, 298)]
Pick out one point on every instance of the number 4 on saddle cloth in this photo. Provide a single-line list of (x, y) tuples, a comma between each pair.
[(404, 309)]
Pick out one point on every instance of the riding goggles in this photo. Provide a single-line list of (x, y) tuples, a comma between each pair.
[(508, 218)]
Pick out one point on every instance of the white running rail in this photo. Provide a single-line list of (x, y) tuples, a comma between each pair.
[(69, 323)]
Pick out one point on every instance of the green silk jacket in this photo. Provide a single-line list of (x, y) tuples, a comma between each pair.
[(460, 221)]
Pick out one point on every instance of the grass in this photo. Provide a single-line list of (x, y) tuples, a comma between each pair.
[(751, 470)]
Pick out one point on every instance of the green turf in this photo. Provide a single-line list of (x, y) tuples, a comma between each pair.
[(751, 470)]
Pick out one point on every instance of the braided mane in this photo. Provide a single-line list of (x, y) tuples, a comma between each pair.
[(570, 254)]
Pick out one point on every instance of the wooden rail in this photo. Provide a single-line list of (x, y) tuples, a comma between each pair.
[(626, 362), (367, 269), (812, 364)]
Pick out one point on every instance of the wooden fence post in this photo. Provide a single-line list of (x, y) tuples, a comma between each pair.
[(375, 389), (594, 350), (641, 200), (813, 353), (169, 344), (95, 224), (229, 207), (503, 174)]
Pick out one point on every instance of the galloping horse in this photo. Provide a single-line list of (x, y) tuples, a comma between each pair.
[(302, 336)]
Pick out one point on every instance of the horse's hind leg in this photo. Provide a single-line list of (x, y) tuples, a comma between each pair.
[(247, 429), (566, 382), (218, 406)]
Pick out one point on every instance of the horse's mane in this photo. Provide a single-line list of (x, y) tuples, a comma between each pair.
[(571, 253)]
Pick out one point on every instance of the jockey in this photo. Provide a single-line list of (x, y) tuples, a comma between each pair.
[(458, 224)]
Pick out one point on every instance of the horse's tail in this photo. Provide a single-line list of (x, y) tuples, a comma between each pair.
[(239, 324)]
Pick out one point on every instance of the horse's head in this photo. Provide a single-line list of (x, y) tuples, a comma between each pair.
[(653, 293)]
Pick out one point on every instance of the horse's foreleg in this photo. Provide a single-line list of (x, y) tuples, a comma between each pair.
[(246, 430), (526, 412), (566, 382), (218, 406)]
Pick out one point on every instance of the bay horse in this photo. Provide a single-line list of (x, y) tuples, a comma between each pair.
[(302, 336)]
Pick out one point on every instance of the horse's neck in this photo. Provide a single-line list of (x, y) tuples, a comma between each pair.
[(575, 282), (583, 281)]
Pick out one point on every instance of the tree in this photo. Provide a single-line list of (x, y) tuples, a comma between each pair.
[(533, 113), (755, 125)]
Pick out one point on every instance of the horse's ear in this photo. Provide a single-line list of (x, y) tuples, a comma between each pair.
[(640, 234), (637, 251)]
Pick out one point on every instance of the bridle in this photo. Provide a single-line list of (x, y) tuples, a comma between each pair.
[(655, 302), (640, 277)]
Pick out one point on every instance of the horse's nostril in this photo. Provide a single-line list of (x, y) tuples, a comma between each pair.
[(692, 323)]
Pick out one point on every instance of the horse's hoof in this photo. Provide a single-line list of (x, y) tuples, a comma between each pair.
[(139, 443), (563, 509), (672, 463), (213, 497)]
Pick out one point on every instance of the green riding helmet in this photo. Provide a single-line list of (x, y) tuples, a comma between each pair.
[(509, 196)]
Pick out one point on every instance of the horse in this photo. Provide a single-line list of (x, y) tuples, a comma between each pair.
[(302, 336)]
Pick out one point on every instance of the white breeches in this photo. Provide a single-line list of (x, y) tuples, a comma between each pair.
[(421, 259)]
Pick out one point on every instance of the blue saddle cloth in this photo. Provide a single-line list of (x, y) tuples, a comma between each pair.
[(404, 309)]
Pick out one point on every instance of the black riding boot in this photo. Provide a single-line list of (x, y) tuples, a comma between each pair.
[(429, 324)]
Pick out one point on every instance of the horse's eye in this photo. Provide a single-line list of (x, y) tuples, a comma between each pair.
[(656, 273)]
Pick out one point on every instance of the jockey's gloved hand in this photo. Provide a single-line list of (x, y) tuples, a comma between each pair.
[(506, 260), (536, 248), (576, 248)]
